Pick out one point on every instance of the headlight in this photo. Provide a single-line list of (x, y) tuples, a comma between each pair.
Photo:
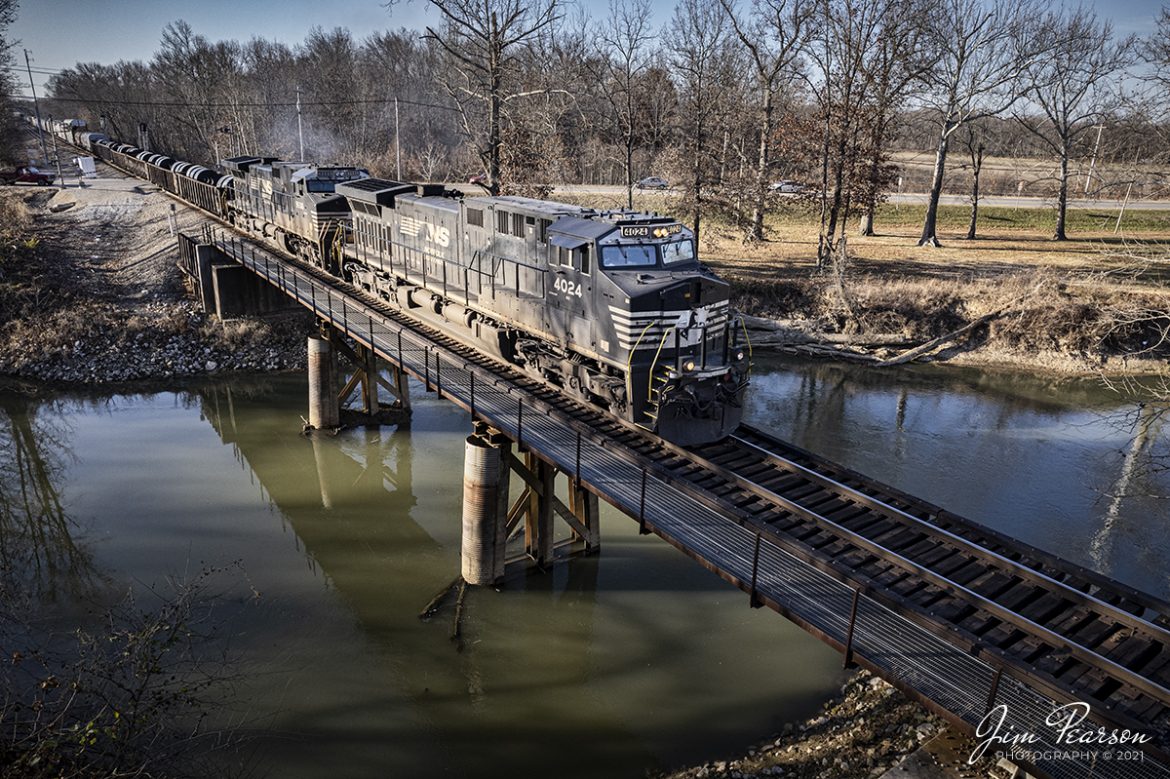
[(739, 355), (689, 366)]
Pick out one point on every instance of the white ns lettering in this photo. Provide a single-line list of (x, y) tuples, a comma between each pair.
[(438, 234)]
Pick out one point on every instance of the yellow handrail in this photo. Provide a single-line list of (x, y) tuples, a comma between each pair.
[(654, 363)]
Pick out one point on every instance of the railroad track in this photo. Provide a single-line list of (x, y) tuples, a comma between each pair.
[(1074, 633)]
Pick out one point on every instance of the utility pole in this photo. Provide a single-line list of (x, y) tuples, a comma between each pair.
[(57, 156), (300, 132), (1093, 161), (36, 105), (397, 143)]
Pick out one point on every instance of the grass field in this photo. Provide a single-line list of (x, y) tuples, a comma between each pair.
[(1009, 240)]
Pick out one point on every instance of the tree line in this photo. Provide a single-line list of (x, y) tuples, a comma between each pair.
[(723, 99)]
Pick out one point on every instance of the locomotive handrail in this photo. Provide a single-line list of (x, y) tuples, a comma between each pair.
[(654, 362)]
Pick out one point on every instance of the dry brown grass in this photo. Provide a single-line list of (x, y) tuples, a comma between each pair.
[(792, 253)]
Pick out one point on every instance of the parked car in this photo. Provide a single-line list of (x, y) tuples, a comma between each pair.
[(653, 182), (787, 187), (26, 175)]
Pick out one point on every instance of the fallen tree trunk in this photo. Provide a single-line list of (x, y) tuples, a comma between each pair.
[(933, 345)]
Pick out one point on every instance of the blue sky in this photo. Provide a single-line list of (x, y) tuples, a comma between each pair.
[(60, 33)]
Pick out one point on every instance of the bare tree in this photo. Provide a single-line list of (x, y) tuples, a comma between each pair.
[(194, 73), (842, 54), (624, 38), (265, 125), (482, 39), (973, 142), (1155, 50), (8, 131), (1073, 86), (698, 49), (774, 33), (983, 49), (897, 64)]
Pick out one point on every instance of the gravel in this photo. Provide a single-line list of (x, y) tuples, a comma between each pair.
[(861, 733)]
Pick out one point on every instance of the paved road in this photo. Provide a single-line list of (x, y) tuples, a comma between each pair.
[(909, 198)]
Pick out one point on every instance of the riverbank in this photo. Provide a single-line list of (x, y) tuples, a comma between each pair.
[(91, 295), (1038, 321), (862, 732)]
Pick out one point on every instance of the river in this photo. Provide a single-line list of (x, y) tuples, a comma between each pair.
[(633, 660)]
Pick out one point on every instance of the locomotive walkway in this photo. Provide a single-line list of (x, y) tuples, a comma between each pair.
[(965, 620)]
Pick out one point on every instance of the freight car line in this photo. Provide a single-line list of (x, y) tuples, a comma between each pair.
[(688, 467), (684, 472)]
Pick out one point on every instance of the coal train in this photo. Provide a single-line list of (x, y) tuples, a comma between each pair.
[(612, 306)]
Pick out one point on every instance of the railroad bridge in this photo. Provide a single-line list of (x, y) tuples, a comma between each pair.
[(973, 624)]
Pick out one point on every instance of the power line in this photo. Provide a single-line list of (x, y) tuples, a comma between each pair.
[(293, 104), (38, 71)]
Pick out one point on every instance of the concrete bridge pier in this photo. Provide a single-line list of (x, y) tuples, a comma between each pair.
[(485, 504), (491, 518), (329, 407), (324, 407)]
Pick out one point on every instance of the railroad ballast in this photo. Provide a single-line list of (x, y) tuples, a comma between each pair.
[(612, 306)]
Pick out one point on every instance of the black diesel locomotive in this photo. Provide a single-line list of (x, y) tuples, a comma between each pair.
[(612, 306)]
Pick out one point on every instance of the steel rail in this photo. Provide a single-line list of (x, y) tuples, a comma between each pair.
[(1024, 571), (1086, 655), (987, 537)]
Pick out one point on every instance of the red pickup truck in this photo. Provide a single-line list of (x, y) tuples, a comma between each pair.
[(27, 175)]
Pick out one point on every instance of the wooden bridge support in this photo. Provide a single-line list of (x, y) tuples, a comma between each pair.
[(490, 519)]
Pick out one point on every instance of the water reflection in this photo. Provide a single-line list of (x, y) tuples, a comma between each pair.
[(1135, 477), (1039, 458), (39, 555), (624, 653)]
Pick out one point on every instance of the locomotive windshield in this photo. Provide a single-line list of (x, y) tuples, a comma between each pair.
[(677, 251), (634, 256), (647, 255)]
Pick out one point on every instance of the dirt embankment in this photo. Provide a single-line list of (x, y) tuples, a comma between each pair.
[(89, 292)]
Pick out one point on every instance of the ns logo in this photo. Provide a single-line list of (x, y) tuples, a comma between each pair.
[(436, 234)]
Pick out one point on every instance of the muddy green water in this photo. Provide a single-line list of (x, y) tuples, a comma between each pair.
[(609, 666)]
